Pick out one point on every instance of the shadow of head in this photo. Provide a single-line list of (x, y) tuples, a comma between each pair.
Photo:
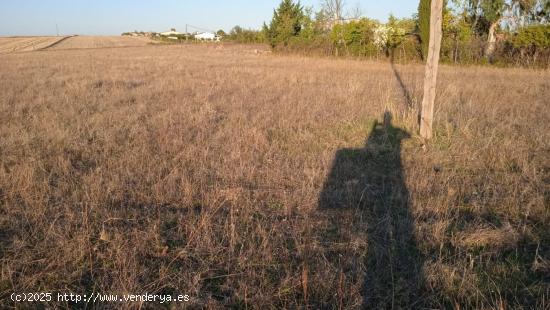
[(357, 175)]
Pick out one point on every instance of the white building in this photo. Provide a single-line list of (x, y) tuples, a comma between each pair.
[(207, 36), (170, 33)]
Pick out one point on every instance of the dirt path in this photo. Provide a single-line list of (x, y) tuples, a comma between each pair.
[(27, 44), (100, 42)]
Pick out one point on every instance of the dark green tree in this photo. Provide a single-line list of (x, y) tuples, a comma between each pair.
[(423, 25), (286, 23)]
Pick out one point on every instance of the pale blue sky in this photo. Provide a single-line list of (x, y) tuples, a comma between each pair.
[(104, 17)]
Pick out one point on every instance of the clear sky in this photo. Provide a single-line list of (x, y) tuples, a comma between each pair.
[(112, 17)]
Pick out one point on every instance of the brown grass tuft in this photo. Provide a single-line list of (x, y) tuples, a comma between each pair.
[(499, 240)]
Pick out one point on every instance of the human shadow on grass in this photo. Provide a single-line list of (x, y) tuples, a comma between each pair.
[(369, 184)]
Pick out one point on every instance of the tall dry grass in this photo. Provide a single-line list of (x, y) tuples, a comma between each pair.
[(200, 170)]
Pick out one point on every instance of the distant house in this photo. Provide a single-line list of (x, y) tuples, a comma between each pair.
[(140, 34), (171, 33), (207, 36), (329, 24)]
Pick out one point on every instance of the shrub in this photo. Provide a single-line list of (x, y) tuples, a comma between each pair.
[(241, 35), (356, 37), (537, 37)]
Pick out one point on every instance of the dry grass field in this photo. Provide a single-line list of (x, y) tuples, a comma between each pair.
[(261, 181)]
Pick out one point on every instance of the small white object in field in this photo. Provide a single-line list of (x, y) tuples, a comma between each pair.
[(261, 52)]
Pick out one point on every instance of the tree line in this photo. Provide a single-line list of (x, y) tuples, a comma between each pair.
[(474, 31)]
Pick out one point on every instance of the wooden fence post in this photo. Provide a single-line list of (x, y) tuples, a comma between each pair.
[(432, 66)]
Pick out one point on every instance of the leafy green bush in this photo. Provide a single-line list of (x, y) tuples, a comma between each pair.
[(354, 33), (537, 36), (241, 35)]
